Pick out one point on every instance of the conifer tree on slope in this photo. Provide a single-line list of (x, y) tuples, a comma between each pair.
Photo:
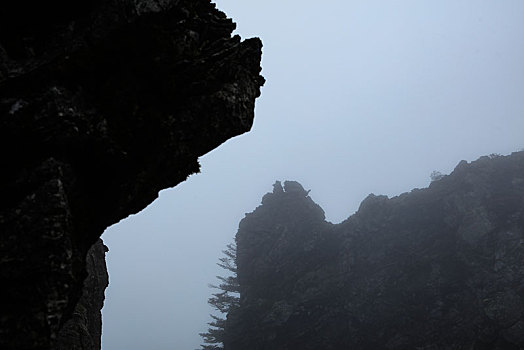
[(222, 301)]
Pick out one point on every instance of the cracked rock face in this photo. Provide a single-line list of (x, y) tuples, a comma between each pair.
[(102, 104), (436, 268)]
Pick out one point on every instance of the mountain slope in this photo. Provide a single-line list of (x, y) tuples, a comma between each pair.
[(436, 268)]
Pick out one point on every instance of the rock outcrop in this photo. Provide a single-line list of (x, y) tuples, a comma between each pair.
[(102, 104), (436, 268), (83, 329)]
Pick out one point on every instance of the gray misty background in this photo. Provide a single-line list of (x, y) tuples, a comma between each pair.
[(361, 97)]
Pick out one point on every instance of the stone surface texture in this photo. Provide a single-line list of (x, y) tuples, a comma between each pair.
[(82, 331), (102, 104), (436, 268)]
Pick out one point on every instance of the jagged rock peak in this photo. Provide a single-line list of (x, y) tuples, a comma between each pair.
[(294, 187), (435, 268), (277, 187), (291, 187), (291, 196)]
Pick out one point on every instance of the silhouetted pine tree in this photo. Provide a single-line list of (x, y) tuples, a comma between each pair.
[(222, 301)]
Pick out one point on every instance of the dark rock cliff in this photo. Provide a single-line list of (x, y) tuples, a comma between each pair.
[(102, 104), (436, 268), (84, 328)]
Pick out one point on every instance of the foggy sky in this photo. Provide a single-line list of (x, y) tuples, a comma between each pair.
[(361, 97)]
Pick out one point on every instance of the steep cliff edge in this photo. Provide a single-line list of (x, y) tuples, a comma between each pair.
[(436, 268), (102, 104), (84, 328)]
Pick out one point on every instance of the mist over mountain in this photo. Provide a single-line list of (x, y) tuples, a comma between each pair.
[(109, 107), (436, 268)]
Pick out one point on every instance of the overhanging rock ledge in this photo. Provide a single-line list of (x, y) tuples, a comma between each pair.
[(102, 104)]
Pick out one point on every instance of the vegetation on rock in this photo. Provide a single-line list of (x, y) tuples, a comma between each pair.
[(224, 301), (436, 268)]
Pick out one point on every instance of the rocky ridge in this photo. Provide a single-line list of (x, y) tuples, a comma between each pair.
[(436, 268), (102, 104)]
